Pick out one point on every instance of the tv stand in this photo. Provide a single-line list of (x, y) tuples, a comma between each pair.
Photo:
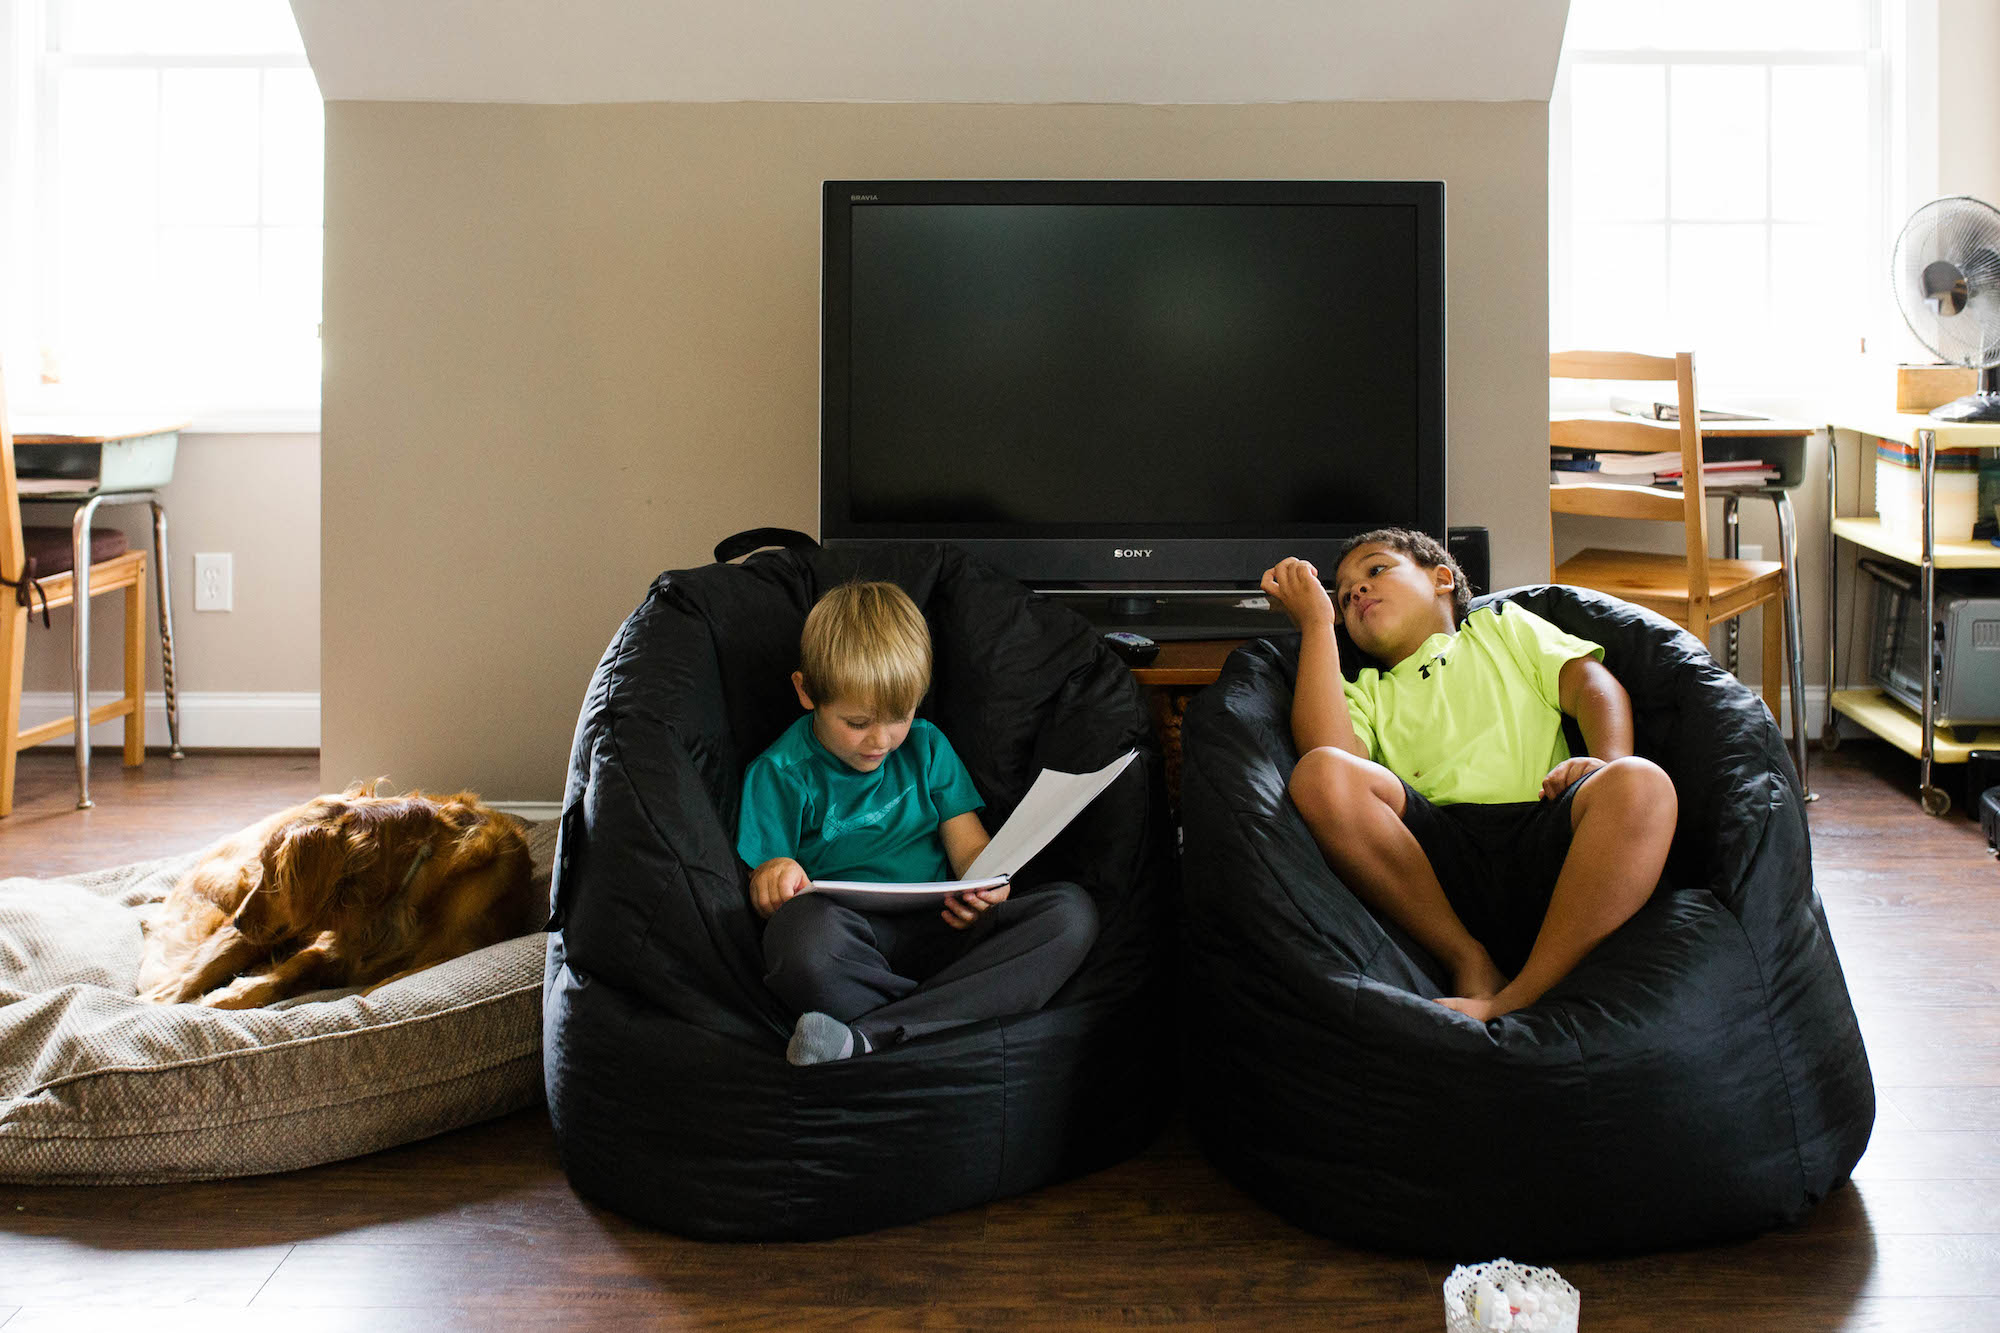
[(1169, 619)]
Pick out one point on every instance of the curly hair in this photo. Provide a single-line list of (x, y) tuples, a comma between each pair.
[(1427, 551)]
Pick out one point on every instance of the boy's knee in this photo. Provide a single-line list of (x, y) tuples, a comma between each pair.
[(1057, 923), (797, 935), (1076, 914), (1638, 787), (1328, 777)]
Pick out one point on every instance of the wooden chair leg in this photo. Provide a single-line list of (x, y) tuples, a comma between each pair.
[(135, 671), (13, 663), (1772, 613)]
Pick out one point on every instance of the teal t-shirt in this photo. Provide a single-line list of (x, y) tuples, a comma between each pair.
[(881, 827), (1471, 716)]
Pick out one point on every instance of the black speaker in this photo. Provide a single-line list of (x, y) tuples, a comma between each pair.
[(1469, 547)]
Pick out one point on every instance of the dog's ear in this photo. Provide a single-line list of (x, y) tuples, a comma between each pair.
[(303, 866)]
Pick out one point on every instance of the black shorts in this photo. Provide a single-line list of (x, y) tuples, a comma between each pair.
[(1498, 864)]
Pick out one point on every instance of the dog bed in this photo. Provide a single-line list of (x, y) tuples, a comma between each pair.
[(667, 1081), (98, 1087), (1699, 1076)]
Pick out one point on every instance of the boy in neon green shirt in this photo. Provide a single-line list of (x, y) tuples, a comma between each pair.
[(1440, 787)]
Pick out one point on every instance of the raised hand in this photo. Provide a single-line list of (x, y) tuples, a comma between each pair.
[(1293, 584)]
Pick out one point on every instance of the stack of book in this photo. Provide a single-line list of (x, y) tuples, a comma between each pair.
[(1577, 467)]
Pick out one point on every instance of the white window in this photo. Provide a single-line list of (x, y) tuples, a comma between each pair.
[(166, 249), (1720, 182)]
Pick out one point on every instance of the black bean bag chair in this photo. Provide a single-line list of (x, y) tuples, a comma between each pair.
[(663, 1049), (1699, 1076)]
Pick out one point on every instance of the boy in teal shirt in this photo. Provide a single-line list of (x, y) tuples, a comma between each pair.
[(1440, 786), (860, 788)]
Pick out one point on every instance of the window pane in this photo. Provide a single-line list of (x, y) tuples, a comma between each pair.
[(286, 368), (1820, 286), (209, 284), (1819, 139), (1618, 140), (1717, 25), (291, 281), (294, 147), (208, 145), (104, 321), (1718, 133), (182, 27), (1618, 286), (106, 125), (1718, 290)]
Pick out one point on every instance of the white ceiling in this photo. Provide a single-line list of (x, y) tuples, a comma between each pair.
[(1144, 51)]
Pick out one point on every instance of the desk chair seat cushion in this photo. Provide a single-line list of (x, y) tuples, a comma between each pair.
[(98, 1087), (667, 1081), (1699, 1076), (50, 552)]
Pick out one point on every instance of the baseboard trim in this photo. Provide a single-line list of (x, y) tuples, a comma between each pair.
[(223, 720), (214, 720), (534, 812), (1815, 715)]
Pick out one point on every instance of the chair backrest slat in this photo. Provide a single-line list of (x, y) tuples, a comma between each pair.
[(1690, 507), (13, 549)]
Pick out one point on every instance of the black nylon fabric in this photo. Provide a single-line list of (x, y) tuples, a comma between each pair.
[(1699, 1076), (663, 1049)]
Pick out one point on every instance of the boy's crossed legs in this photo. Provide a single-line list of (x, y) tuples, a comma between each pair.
[(1621, 819)]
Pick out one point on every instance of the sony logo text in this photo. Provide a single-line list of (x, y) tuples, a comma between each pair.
[(1132, 552)]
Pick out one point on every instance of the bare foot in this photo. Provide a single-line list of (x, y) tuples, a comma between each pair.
[(1484, 1007), (1479, 1006)]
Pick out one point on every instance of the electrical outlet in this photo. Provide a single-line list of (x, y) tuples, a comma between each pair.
[(214, 582), (1749, 551)]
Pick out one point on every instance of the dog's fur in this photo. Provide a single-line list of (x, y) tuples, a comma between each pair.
[(347, 890)]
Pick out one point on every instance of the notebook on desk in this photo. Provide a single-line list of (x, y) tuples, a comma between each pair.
[(1653, 409)]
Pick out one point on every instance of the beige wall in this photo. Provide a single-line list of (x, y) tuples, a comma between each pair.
[(253, 496), (1969, 99), (568, 347)]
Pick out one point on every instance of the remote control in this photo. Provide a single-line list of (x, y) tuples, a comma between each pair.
[(1136, 649)]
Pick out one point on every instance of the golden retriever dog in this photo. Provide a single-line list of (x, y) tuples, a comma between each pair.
[(348, 890)]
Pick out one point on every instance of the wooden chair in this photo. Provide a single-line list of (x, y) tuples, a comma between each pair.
[(1694, 590), (36, 576)]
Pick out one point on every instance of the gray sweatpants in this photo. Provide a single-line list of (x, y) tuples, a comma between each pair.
[(897, 975)]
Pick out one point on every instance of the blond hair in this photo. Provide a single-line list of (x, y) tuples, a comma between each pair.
[(867, 644)]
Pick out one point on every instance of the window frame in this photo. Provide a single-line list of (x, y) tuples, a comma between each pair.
[(1901, 123), (29, 171)]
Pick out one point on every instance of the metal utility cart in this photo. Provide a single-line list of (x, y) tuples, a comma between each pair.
[(1913, 733)]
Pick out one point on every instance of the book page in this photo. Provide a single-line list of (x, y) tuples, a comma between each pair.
[(897, 897), (1054, 800)]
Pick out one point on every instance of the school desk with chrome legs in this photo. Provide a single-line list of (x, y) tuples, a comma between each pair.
[(85, 463)]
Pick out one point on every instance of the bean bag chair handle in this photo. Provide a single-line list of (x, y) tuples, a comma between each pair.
[(756, 539)]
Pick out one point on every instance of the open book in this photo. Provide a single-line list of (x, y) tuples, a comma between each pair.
[(1051, 803)]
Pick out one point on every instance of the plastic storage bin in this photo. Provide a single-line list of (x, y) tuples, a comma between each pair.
[(1899, 497)]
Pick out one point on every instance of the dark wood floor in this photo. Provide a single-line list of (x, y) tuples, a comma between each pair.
[(478, 1230)]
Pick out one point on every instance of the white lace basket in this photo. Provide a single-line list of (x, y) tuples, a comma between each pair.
[(1505, 1297)]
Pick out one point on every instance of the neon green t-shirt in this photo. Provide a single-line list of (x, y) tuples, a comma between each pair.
[(1472, 716)]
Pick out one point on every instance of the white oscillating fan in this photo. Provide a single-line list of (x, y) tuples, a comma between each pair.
[(1947, 274)]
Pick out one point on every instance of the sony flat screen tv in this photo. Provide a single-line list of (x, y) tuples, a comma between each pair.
[(1162, 386)]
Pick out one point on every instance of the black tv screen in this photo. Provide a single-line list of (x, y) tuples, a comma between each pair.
[(1061, 375)]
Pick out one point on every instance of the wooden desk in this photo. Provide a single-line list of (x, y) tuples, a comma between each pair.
[(1190, 662), (1172, 679), (1778, 442), (84, 462)]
